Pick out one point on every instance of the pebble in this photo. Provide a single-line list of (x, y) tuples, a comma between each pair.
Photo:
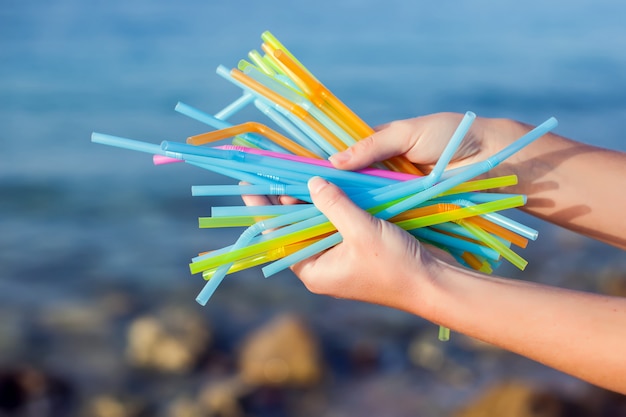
[(172, 341), (283, 352)]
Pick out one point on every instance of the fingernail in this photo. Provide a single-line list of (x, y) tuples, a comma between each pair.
[(316, 184), (341, 157)]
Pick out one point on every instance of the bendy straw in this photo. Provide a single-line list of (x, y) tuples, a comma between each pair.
[(234, 107), (297, 131), (251, 127), (212, 121)]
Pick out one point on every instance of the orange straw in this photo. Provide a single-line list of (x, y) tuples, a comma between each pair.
[(499, 231), (339, 112), (252, 127), (485, 224), (298, 111), (424, 211)]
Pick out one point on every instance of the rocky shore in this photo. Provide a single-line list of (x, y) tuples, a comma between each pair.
[(118, 355)]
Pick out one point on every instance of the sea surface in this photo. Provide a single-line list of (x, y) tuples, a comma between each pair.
[(77, 218)]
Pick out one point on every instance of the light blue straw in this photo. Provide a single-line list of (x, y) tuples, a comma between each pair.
[(294, 132), (234, 107), (453, 242), (306, 129), (131, 144), (258, 189), (271, 210)]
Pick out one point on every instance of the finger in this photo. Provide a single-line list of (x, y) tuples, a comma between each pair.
[(394, 139), (256, 200), (288, 200), (349, 219)]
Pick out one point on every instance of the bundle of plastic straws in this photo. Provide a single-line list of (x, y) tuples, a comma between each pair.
[(447, 208)]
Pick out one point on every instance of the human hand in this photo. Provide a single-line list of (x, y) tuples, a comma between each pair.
[(377, 262), (422, 140)]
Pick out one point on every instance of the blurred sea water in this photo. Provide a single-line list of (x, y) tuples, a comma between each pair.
[(77, 218)]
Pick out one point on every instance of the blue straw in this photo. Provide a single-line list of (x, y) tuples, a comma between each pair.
[(125, 143), (223, 211), (292, 130), (343, 178), (257, 189), (234, 107), (453, 242)]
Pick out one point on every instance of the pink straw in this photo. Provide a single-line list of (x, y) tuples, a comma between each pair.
[(162, 160)]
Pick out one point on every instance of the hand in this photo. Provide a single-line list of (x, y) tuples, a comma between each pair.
[(377, 262), (422, 140)]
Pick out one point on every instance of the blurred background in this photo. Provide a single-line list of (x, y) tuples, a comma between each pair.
[(97, 311)]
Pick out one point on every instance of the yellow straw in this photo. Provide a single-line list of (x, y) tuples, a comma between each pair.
[(270, 255), (453, 215), (494, 244), (484, 184)]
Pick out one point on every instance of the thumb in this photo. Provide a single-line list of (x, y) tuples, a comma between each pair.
[(349, 219), (395, 139)]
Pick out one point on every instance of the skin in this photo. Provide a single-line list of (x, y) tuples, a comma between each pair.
[(582, 334)]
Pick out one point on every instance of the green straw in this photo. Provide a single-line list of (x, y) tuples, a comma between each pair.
[(461, 213), (229, 221), (495, 244)]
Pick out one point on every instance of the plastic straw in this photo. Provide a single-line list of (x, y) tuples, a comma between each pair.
[(234, 107), (259, 259), (216, 123), (256, 57), (339, 112), (231, 221), (292, 129), (131, 144), (270, 210), (483, 184), (251, 127), (286, 104), (259, 189), (398, 176), (298, 99), (285, 167), (460, 213), (495, 244)]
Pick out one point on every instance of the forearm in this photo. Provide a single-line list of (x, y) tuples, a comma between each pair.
[(578, 333), (571, 184)]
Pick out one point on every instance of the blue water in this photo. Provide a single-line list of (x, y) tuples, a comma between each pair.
[(73, 213)]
